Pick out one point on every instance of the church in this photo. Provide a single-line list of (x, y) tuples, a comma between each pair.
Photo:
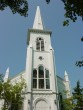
[(44, 87)]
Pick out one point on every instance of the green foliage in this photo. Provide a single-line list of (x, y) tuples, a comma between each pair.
[(79, 63), (78, 95), (1, 85), (67, 104), (75, 102), (47, 1), (12, 94), (1, 77), (66, 23), (73, 8), (1, 89), (16, 6)]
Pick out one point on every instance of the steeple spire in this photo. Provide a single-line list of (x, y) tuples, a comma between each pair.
[(6, 75), (66, 76), (38, 24)]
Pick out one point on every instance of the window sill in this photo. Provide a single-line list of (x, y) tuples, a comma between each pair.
[(41, 89)]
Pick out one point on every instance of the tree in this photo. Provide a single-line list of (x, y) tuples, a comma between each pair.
[(67, 104), (75, 102), (1, 77), (12, 94), (80, 63), (47, 1), (78, 96), (73, 8), (16, 6)]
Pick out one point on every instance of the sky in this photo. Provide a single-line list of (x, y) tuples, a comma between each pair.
[(66, 42)]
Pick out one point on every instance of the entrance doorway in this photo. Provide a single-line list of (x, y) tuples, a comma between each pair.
[(42, 105)]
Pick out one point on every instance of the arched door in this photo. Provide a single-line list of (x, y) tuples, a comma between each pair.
[(42, 105)]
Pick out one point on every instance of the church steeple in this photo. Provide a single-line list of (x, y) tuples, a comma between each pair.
[(38, 23), (40, 68)]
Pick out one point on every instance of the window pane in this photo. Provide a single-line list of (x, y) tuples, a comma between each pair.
[(41, 72), (41, 83), (42, 45), (34, 83), (38, 45), (42, 48), (47, 84), (35, 73), (47, 73)]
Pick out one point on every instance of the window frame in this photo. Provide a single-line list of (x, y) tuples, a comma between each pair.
[(41, 44), (42, 78)]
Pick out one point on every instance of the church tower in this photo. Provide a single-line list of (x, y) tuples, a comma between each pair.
[(41, 91)]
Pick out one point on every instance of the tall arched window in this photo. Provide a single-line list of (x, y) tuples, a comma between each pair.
[(41, 79), (47, 79), (40, 44), (34, 78)]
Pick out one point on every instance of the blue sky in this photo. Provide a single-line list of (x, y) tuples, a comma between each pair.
[(65, 40)]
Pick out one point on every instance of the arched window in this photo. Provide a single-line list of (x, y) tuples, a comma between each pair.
[(41, 79), (40, 44), (41, 72), (34, 73), (34, 78), (47, 79)]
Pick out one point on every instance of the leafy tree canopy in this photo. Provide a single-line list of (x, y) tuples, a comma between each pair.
[(75, 102), (80, 63), (67, 104), (78, 95), (73, 8), (12, 94), (16, 6)]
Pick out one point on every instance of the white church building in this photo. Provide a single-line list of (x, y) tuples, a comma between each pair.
[(44, 87)]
